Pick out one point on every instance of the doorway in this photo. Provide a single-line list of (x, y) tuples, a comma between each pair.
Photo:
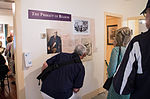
[(112, 22), (137, 24), (7, 31)]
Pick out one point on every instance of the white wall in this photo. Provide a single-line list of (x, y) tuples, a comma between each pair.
[(95, 9)]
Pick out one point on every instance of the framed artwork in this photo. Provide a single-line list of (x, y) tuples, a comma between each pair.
[(1, 28), (81, 26), (54, 42), (111, 33)]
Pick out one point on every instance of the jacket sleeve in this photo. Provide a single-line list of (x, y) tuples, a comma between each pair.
[(124, 78), (112, 63), (78, 82), (52, 60)]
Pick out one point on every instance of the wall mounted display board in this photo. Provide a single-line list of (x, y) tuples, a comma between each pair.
[(79, 31)]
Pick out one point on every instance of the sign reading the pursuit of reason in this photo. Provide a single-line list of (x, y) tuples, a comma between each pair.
[(44, 15)]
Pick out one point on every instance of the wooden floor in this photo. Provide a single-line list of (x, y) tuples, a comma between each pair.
[(5, 94)]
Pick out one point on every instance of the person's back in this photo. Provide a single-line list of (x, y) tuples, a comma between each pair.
[(121, 39), (60, 82), (143, 66), (133, 74), (3, 70), (136, 67)]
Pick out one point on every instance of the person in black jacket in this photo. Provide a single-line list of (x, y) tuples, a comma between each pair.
[(133, 74), (62, 82), (3, 70)]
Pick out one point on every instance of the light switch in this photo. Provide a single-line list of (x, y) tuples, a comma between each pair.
[(27, 57)]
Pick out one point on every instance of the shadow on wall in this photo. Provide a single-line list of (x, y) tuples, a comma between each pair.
[(31, 85), (32, 89), (90, 82)]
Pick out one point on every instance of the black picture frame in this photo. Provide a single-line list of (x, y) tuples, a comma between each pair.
[(111, 33)]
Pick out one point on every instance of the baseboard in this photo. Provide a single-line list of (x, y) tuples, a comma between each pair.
[(93, 93)]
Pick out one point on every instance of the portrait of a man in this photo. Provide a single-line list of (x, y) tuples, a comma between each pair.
[(54, 44)]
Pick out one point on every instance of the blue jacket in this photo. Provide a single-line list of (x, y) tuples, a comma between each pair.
[(60, 83)]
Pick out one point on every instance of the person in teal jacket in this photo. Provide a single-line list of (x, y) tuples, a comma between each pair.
[(121, 39)]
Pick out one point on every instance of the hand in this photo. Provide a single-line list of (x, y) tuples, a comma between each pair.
[(48, 48), (75, 90), (45, 65)]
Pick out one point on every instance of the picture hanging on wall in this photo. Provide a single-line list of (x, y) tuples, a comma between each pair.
[(111, 33), (1, 28), (81, 26), (87, 42), (54, 43), (69, 39)]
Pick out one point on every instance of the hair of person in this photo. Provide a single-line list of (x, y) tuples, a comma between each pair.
[(9, 39), (123, 36), (80, 50)]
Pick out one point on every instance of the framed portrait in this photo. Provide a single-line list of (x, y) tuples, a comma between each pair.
[(1, 28), (54, 42), (111, 33)]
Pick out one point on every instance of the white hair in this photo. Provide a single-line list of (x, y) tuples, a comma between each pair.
[(80, 50)]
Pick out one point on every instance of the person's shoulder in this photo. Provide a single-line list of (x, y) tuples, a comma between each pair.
[(136, 38), (63, 54), (141, 36), (59, 37)]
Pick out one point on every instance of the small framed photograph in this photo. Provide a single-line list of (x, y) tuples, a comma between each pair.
[(81, 27), (111, 33)]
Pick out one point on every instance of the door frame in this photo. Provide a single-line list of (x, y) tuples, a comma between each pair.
[(105, 37)]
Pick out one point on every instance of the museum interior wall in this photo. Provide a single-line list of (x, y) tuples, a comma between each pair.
[(30, 40)]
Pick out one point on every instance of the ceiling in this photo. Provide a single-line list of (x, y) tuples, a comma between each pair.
[(6, 4), (6, 7), (8, 1)]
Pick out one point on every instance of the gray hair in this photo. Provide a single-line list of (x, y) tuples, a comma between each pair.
[(123, 36), (80, 50)]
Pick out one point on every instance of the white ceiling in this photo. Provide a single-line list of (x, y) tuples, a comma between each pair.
[(6, 7)]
